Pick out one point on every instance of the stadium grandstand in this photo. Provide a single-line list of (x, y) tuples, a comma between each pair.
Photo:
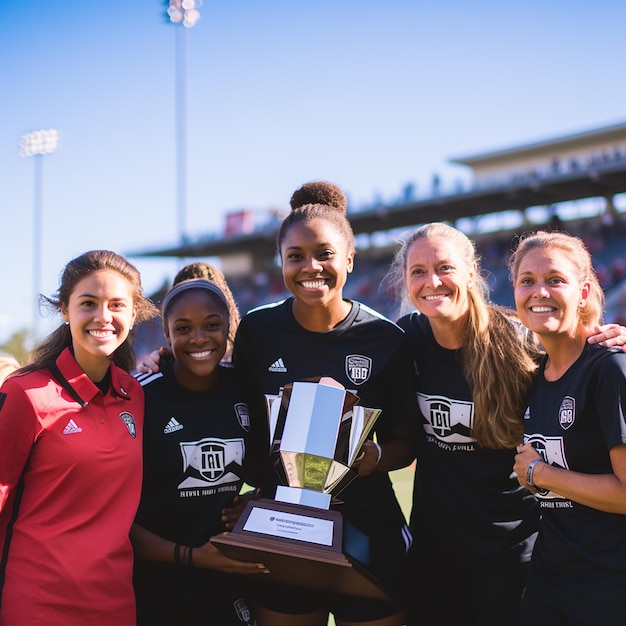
[(575, 183)]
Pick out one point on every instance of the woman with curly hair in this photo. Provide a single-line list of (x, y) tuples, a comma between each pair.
[(318, 332)]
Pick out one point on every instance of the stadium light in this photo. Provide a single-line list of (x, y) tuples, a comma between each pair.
[(182, 13), (38, 144)]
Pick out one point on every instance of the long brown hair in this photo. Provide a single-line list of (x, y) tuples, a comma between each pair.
[(499, 359), (46, 353)]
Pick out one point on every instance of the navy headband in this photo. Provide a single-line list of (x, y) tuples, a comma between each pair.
[(194, 283)]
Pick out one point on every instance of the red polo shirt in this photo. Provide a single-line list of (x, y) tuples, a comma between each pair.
[(70, 482)]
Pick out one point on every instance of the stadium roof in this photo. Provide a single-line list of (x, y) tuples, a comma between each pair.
[(606, 134)]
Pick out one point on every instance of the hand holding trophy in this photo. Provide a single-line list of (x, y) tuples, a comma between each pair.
[(317, 429)]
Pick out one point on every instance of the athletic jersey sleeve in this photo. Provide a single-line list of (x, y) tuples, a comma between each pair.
[(17, 433), (257, 463), (400, 399), (611, 397)]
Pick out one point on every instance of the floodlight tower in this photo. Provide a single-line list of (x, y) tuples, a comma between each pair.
[(38, 144), (183, 14)]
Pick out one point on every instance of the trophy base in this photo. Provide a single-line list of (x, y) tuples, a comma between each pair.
[(303, 547)]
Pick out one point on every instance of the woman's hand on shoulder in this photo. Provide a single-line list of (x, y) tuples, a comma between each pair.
[(609, 335), (150, 364)]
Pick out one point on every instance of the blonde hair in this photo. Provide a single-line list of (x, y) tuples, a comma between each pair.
[(499, 360), (576, 251), (8, 365)]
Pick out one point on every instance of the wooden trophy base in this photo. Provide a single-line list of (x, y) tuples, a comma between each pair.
[(325, 552)]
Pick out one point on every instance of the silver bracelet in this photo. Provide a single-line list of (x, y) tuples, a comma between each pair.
[(530, 471)]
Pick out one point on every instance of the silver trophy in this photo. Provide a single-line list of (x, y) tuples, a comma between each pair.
[(317, 430)]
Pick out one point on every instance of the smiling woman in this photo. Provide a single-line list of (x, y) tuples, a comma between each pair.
[(314, 333), (474, 525), (70, 455), (197, 454), (574, 452), (317, 332)]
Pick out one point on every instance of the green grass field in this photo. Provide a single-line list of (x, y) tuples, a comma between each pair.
[(403, 486)]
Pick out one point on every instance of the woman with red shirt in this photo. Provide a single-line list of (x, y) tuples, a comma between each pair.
[(70, 456)]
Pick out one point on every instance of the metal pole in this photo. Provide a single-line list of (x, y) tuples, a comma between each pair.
[(37, 238), (181, 131), (37, 144)]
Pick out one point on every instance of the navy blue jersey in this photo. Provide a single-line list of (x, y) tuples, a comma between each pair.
[(466, 499), (366, 353), (580, 555)]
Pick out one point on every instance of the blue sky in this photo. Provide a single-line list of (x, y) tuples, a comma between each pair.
[(370, 95)]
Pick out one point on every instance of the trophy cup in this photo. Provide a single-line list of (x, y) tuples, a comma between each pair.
[(316, 431)]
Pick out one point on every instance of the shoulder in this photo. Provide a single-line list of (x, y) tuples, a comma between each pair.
[(27, 384), (265, 309), (415, 325), (27, 379), (366, 314), (124, 383), (24, 395), (264, 323), (228, 373), (606, 360), (264, 315), (414, 318), (147, 379)]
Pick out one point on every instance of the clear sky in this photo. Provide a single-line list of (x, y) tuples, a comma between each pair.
[(371, 95)]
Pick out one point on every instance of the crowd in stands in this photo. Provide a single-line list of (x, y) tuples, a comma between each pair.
[(604, 238)]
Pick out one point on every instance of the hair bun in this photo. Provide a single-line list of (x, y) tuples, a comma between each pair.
[(319, 192)]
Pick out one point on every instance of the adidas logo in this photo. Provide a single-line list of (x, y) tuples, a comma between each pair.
[(71, 428), (277, 366), (172, 426)]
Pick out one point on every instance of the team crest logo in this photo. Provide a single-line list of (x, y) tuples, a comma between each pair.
[(129, 420), (567, 412), (358, 368), (211, 461), (243, 415), (242, 611), (439, 417)]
